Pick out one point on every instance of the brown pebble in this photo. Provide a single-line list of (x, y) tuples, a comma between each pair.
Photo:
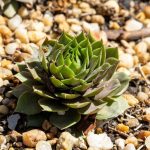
[(15, 136), (143, 134), (147, 11), (133, 122), (123, 128), (46, 125), (133, 140), (146, 117), (50, 136), (54, 130), (30, 138)]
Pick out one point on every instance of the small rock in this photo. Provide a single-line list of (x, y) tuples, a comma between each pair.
[(4, 110), (147, 41), (141, 96), (3, 142), (23, 12), (54, 130), (31, 138), (15, 136), (13, 121), (43, 145), (36, 36), (66, 141), (146, 69), (21, 34), (98, 19), (48, 19), (53, 141), (147, 110), (2, 20), (81, 143), (133, 140), (101, 141), (123, 128), (146, 117), (11, 48), (46, 125), (76, 28), (64, 26), (60, 18), (141, 47), (5, 73), (143, 134), (93, 148), (14, 22), (147, 142), (133, 122), (133, 25), (93, 27), (5, 31), (120, 143), (147, 11), (132, 101), (130, 147), (37, 26), (126, 60)]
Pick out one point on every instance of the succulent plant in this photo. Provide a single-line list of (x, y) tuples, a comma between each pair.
[(76, 76)]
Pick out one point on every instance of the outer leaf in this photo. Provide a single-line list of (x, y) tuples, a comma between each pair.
[(23, 76), (28, 104), (62, 122), (67, 96), (112, 109), (52, 106), (112, 52)]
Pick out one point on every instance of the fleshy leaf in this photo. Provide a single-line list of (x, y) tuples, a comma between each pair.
[(112, 52), (67, 96), (62, 122), (28, 104), (112, 109), (52, 106)]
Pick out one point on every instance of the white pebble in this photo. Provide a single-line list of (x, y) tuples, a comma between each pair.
[(133, 25), (141, 96), (120, 143), (101, 141), (147, 110), (76, 28), (93, 27), (129, 147), (37, 26), (21, 34), (147, 142), (14, 22), (43, 145), (11, 48)]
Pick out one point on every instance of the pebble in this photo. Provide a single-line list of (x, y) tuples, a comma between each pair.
[(146, 69), (147, 41), (141, 96), (60, 18), (133, 25), (2, 142), (132, 101), (4, 110), (5, 73), (11, 48), (37, 26), (143, 134), (146, 117), (126, 60), (141, 47), (21, 34), (129, 147), (64, 26), (98, 19), (147, 142), (48, 19), (133, 140), (147, 110), (66, 141), (35, 36), (120, 143), (46, 125), (133, 122), (111, 4), (93, 27), (43, 145), (76, 28), (123, 128), (101, 141), (14, 22), (31, 138), (15, 136), (147, 11), (2, 20), (23, 12), (5, 31)]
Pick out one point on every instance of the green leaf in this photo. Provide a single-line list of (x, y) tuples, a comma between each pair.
[(66, 95), (78, 103), (28, 104), (112, 109), (17, 91), (110, 86), (23, 76), (64, 39), (112, 52), (62, 122), (40, 90), (73, 81), (52, 106), (82, 88)]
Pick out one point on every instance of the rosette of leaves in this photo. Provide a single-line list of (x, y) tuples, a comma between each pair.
[(76, 76)]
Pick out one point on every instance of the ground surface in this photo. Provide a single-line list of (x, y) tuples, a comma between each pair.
[(122, 24)]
